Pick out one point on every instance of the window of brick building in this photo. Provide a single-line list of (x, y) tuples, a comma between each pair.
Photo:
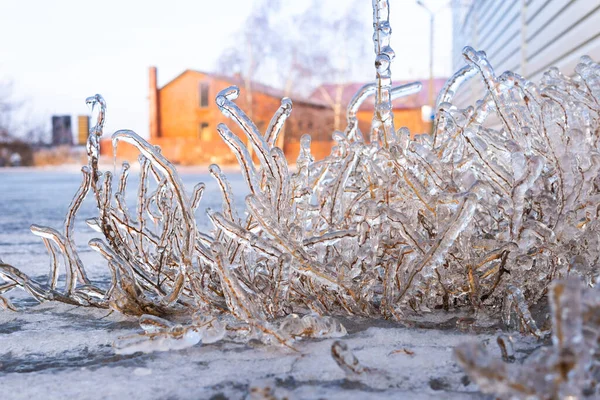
[(204, 132), (203, 89)]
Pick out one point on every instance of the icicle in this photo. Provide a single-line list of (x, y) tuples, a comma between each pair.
[(70, 257), (534, 170), (507, 349), (383, 119), (365, 92), (282, 199), (238, 301), (282, 276), (197, 195), (228, 207), (346, 360), (11, 274), (311, 326), (230, 109), (93, 142), (243, 156), (276, 124), (447, 93)]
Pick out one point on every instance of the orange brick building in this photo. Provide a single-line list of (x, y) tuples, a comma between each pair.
[(184, 116), (407, 110)]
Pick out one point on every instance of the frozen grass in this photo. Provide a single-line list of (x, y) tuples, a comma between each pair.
[(480, 225), (61, 351)]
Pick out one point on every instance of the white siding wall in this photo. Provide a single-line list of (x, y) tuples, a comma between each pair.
[(526, 36)]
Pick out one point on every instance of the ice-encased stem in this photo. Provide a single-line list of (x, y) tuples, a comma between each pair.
[(158, 161), (449, 90), (364, 93), (93, 142), (225, 103), (383, 120), (276, 124)]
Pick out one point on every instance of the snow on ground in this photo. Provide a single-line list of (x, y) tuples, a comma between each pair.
[(57, 351)]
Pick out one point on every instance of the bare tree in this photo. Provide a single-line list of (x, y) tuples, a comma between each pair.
[(17, 122), (349, 46), (36, 132), (298, 52), (7, 109), (249, 55)]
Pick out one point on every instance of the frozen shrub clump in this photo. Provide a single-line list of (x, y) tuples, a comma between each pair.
[(475, 217), (567, 369)]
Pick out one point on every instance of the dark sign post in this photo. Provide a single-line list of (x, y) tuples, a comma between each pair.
[(61, 130)]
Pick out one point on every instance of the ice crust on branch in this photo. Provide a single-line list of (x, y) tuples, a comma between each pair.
[(469, 218), (567, 369)]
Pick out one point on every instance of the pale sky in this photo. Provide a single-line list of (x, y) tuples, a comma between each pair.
[(58, 52)]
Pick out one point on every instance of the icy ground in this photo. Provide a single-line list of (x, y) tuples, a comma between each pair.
[(56, 351)]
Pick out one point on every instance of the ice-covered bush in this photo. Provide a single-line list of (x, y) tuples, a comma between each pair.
[(387, 226)]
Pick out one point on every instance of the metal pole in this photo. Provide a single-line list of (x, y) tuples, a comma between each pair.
[(431, 94), (431, 25)]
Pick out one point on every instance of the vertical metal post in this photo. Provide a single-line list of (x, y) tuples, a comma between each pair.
[(431, 91), (431, 99)]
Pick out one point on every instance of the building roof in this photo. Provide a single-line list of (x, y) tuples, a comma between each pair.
[(326, 93), (238, 81)]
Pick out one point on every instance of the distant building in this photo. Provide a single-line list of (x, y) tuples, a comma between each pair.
[(526, 37), (408, 111), (61, 130), (83, 129), (184, 118)]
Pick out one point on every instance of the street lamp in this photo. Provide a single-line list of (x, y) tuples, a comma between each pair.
[(431, 20), (431, 101)]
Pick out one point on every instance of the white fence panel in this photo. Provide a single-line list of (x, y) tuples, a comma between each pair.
[(526, 36)]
